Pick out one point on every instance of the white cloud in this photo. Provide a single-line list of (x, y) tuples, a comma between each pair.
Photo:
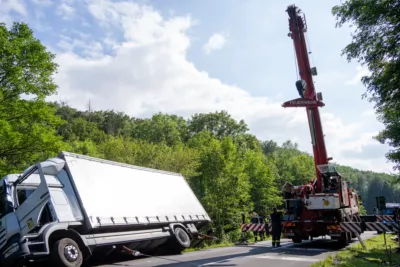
[(216, 42), (356, 80), (45, 3), (7, 7), (66, 10)]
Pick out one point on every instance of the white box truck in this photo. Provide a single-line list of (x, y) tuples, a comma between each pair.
[(71, 207)]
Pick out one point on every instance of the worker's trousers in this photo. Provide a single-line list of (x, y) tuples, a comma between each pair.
[(276, 235)]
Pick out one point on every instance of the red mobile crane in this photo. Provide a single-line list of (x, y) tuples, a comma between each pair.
[(321, 207)]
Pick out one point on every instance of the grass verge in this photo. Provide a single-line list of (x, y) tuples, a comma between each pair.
[(356, 256)]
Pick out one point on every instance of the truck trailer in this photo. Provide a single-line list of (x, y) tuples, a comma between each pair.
[(72, 207)]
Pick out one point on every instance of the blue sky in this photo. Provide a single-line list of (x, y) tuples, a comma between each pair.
[(184, 57)]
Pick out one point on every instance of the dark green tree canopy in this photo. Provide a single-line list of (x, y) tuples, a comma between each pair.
[(376, 44)]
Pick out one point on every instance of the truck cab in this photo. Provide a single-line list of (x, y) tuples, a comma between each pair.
[(67, 209), (29, 202)]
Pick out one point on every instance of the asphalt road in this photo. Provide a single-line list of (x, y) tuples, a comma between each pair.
[(260, 254)]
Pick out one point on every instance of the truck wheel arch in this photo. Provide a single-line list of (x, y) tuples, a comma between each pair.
[(54, 234), (173, 226)]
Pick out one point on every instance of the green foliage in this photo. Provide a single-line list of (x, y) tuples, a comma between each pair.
[(27, 127), (223, 186), (298, 170), (218, 123), (363, 211), (376, 44), (370, 185), (179, 158), (161, 128), (264, 192)]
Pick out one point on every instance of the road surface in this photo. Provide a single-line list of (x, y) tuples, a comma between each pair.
[(259, 255)]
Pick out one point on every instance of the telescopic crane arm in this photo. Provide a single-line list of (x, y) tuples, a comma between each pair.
[(305, 86)]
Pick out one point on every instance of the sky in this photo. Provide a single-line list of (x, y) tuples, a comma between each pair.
[(185, 57)]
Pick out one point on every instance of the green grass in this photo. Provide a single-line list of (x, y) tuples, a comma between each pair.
[(375, 252)]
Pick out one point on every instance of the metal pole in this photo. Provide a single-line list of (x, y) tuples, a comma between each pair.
[(384, 236)]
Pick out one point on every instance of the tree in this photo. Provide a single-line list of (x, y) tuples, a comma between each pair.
[(27, 123), (161, 128), (264, 193), (269, 146), (376, 44), (220, 124), (223, 186)]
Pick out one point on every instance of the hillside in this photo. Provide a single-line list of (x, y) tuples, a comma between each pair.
[(228, 168)]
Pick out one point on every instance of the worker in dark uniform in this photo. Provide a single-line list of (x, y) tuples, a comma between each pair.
[(276, 220)]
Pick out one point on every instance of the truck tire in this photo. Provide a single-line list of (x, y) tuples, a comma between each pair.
[(344, 239), (297, 240), (66, 253), (178, 242)]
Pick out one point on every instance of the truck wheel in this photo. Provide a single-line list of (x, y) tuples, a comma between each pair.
[(344, 239), (182, 237), (179, 242), (297, 240), (66, 253)]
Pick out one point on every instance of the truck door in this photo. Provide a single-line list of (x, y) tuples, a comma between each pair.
[(31, 201)]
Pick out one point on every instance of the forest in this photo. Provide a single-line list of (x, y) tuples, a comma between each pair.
[(229, 169)]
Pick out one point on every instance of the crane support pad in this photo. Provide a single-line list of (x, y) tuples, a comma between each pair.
[(302, 102)]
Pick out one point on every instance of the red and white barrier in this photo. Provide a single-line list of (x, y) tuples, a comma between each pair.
[(255, 227), (351, 227)]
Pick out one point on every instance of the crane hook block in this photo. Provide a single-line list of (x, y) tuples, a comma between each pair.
[(302, 102), (301, 86)]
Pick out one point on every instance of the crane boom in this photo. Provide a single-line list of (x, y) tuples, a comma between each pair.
[(309, 98)]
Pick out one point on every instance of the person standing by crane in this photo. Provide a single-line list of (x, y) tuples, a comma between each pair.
[(276, 220)]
